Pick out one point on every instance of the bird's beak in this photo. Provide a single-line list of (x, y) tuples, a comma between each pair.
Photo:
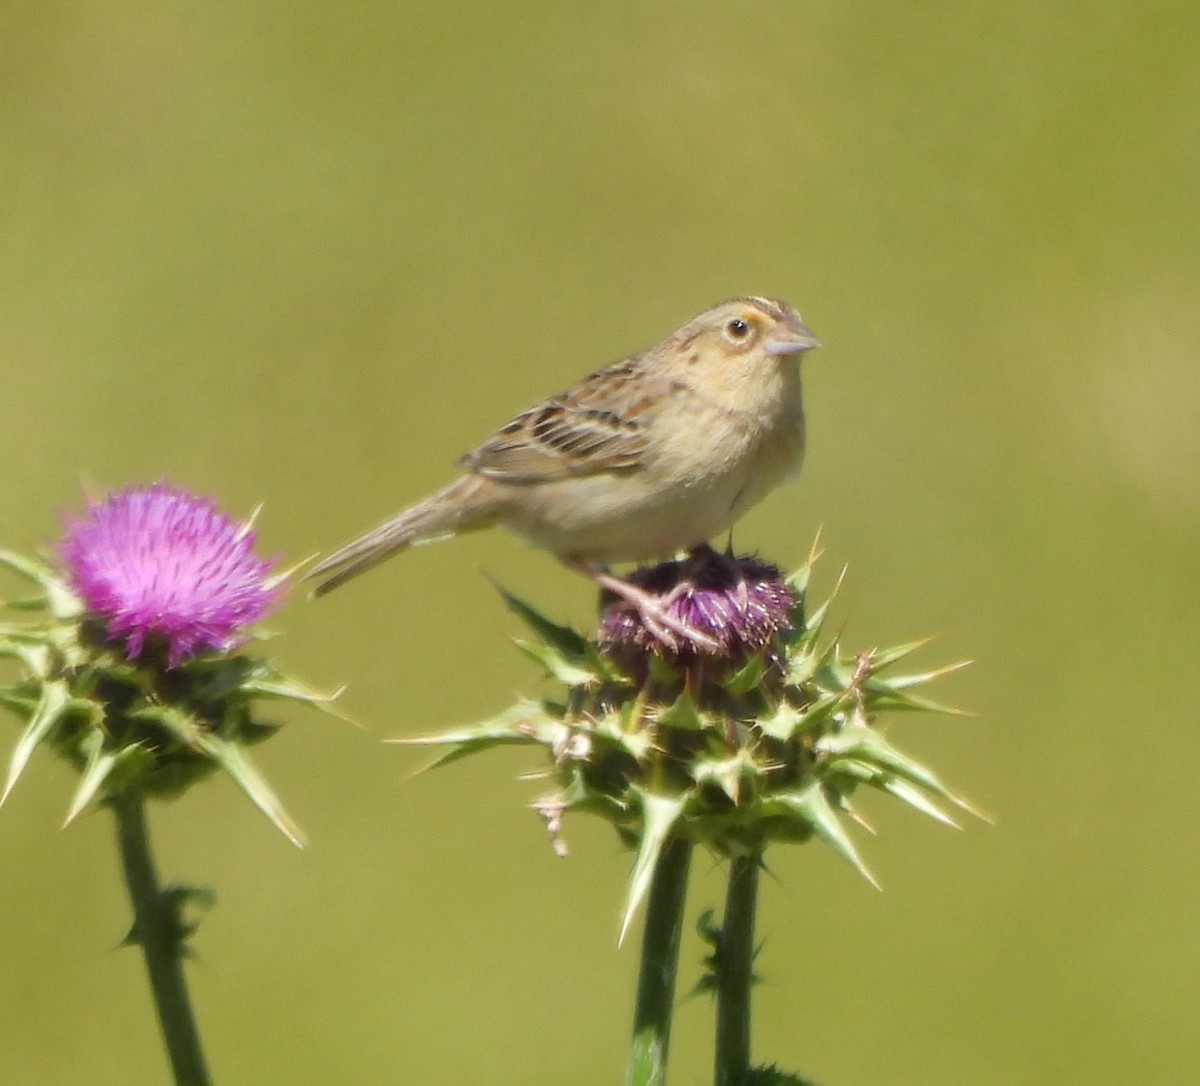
[(795, 339)]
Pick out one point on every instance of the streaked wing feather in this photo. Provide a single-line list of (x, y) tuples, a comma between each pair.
[(598, 425)]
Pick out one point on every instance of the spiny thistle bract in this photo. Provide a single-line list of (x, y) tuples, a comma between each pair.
[(759, 731), (125, 657)]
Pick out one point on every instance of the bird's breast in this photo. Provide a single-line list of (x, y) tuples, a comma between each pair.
[(703, 467)]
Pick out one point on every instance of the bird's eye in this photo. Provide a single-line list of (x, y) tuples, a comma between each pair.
[(737, 328)]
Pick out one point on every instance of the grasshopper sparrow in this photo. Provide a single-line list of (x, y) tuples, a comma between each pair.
[(640, 460)]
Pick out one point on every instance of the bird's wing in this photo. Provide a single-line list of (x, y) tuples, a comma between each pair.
[(597, 425)]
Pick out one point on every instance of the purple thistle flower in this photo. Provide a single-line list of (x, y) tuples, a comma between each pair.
[(160, 562), (737, 603)]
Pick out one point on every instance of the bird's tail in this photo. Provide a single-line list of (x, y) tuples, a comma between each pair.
[(461, 507)]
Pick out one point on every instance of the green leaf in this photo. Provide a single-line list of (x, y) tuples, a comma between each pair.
[(812, 806), (816, 620), (881, 658), (867, 745), (558, 665), (747, 677), (663, 673), (815, 713), (603, 667), (230, 757), (710, 932), (527, 723), (659, 815), (798, 581), (468, 747), (188, 729), (30, 603), (915, 798), (782, 723), (726, 773), (32, 652), (624, 729), (99, 764), (54, 699), (286, 689), (804, 665), (903, 682), (21, 704), (578, 795), (185, 904), (566, 640), (683, 713), (62, 602), (27, 567)]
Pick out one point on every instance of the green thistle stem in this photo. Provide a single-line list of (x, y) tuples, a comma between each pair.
[(158, 930), (735, 972), (660, 960)]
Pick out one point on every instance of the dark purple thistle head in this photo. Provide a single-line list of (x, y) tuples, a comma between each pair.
[(160, 563), (736, 605)]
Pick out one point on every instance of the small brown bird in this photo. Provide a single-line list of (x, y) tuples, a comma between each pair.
[(640, 460)]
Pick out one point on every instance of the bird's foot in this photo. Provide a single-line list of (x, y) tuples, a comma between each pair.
[(655, 611)]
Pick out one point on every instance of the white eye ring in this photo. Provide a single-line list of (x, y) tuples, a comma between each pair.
[(737, 329)]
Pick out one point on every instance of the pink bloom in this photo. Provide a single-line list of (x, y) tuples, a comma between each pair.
[(158, 562)]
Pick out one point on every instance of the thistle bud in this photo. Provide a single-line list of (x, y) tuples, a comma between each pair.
[(759, 729)]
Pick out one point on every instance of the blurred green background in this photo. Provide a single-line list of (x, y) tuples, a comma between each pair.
[(307, 254)]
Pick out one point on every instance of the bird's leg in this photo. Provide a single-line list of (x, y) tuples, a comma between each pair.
[(654, 610)]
